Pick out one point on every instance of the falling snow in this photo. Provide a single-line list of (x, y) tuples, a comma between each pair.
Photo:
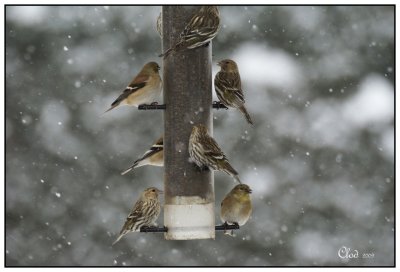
[(319, 157)]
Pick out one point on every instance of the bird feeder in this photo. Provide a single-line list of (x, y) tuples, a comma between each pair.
[(189, 192)]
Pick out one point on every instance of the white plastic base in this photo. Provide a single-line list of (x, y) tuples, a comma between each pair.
[(189, 222)]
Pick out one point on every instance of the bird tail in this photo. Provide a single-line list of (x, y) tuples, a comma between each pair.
[(115, 103), (237, 179), (246, 114), (119, 238), (227, 168), (166, 53), (110, 109), (135, 164)]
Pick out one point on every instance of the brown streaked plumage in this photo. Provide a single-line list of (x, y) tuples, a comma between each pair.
[(204, 151), (144, 213), (201, 29), (236, 207), (144, 88), (159, 24), (228, 87), (154, 156)]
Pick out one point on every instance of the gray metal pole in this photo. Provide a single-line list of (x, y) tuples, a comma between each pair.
[(189, 193)]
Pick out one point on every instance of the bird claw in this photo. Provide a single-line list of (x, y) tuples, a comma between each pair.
[(229, 232), (219, 105), (201, 168), (144, 229), (154, 103)]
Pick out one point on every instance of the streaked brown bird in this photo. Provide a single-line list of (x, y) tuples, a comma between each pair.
[(201, 29), (236, 207), (159, 24), (228, 87), (154, 156), (144, 88), (144, 213), (204, 151)]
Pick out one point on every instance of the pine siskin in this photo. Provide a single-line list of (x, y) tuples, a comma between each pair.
[(204, 151), (153, 156), (236, 207), (144, 88), (144, 213), (159, 25), (202, 28), (229, 88)]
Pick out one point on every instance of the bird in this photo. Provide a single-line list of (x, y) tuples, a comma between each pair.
[(154, 156), (201, 29), (144, 88), (236, 207), (205, 152), (229, 88), (144, 212), (159, 25)]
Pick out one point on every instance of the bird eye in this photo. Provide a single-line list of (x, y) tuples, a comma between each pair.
[(153, 190)]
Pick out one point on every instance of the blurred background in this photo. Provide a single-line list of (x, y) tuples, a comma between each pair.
[(319, 85)]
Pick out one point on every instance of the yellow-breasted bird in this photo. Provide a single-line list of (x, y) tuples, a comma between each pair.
[(236, 207), (144, 88), (201, 29), (204, 151), (228, 87), (144, 213), (154, 156)]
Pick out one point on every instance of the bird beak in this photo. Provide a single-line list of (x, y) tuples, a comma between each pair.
[(219, 63), (249, 191), (160, 192)]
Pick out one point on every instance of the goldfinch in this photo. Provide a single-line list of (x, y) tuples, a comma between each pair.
[(144, 88), (154, 156), (236, 207)]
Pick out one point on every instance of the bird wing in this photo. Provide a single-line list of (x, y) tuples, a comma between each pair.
[(207, 25), (135, 214), (230, 83), (159, 141), (237, 88), (128, 91), (153, 150), (136, 210), (212, 149), (157, 147), (139, 79), (189, 33)]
